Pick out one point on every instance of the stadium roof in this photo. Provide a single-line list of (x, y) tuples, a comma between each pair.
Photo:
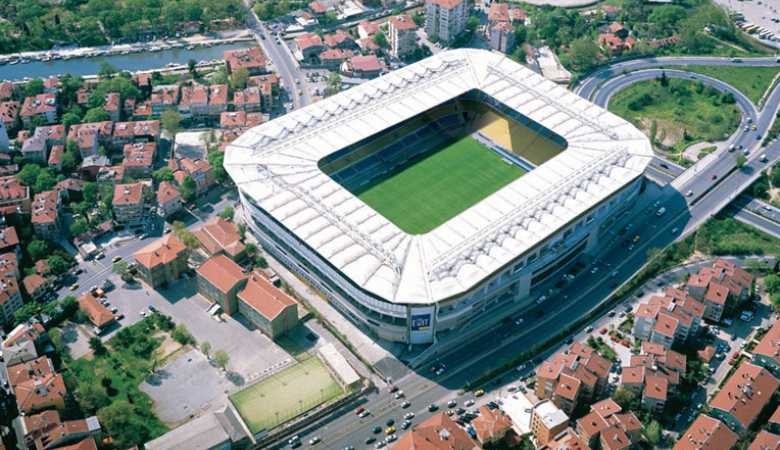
[(276, 164)]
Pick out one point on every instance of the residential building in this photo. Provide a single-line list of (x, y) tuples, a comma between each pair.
[(566, 440), (248, 100), (129, 200), (46, 430), (339, 39), (14, 197), (308, 48), (268, 85), (501, 36), (774, 422), (445, 19), (6, 90), (367, 45), (491, 425), (9, 266), (45, 215), (198, 169), (138, 159), (577, 374), (680, 317), (36, 147), (138, 131), (168, 199), (42, 107), (100, 316), (252, 59), (27, 332), (10, 298), (267, 307), (744, 395), (9, 112), (765, 441), (219, 280), (706, 433), (232, 119), (332, 58), (36, 286), (607, 422), (655, 394), (36, 385), (359, 66), (90, 136), (219, 236), (55, 157), (547, 421), (438, 432), (721, 288), (367, 29), (163, 261), (767, 352), (194, 101), (164, 97), (403, 35), (218, 99), (51, 84)]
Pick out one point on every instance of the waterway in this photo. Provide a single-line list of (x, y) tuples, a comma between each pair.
[(131, 62)]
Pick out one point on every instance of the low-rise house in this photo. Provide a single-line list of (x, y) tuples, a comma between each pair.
[(221, 237), (368, 66), (139, 159), (129, 200), (744, 395), (42, 107), (100, 316), (112, 105), (267, 307), (308, 48), (403, 35), (767, 352), (9, 241), (36, 286), (367, 45), (219, 280), (252, 59), (339, 39), (14, 197), (569, 377), (547, 421), (164, 97), (367, 29), (332, 58), (491, 425), (248, 100), (168, 199), (706, 433), (51, 84), (46, 430), (93, 166), (162, 261), (45, 215), (232, 119)]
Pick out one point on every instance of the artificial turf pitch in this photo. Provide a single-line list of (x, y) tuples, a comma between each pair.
[(428, 193), (285, 395)]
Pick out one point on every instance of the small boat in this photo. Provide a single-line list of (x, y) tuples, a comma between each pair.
[(190, 47)]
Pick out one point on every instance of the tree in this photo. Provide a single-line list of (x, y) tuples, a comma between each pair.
[(91, 396), (380, 39), (334, 83), (97, 114), (740, 160), (192, 68), (625, 398), (184, 235), (187, 189), (472, 23), (126, 424), (221, 358), (33, 87), (216, 159), (181, 335), (122, 269), (97, 345), (653, 433), (238, 78), (584, 53), (58, 264), (70, 118), (106, 71), (205, 347), (772, 283), (171, 122), (29, 174), (37, 249), (227, 213), (78, 227), (162, 174)]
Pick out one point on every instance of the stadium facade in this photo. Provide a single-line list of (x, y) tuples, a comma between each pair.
[(296, 177)]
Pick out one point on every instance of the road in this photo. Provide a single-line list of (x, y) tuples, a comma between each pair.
[(688, 205), (286, 67)]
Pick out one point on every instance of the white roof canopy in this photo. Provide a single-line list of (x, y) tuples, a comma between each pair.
[(276, 164)]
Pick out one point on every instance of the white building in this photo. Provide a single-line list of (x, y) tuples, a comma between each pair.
[(403, 35), (445, 19), (486, 261)]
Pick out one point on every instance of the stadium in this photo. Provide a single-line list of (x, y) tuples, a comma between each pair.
[(442, 192)]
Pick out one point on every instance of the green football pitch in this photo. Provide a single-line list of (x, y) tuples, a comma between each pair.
[(428, 193), (285, 395)]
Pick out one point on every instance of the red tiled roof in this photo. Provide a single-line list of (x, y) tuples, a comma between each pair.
[(614, 438), (222, 273), (264, 297), (98, 314), (769, 346), (746, 393), (44, 207), (55, 157), (307, 40), (656, 387), (498, 12), (219, 234), (568, 387), (251, 58), (32, 283), (163, 251), (39, 104), (706, 433), (402, 22), (139, 154), (369, 27), (592, 424), (367, 63), (446, 4), (337, 38), (9, 111), (137, 128), (128, 194), (717, 293), (491, 424), (24, 332), (232, 119), (765, 441), (12, 189), (167, 192), (436, 433)]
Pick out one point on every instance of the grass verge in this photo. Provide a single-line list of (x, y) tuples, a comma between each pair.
[(751, 81)]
